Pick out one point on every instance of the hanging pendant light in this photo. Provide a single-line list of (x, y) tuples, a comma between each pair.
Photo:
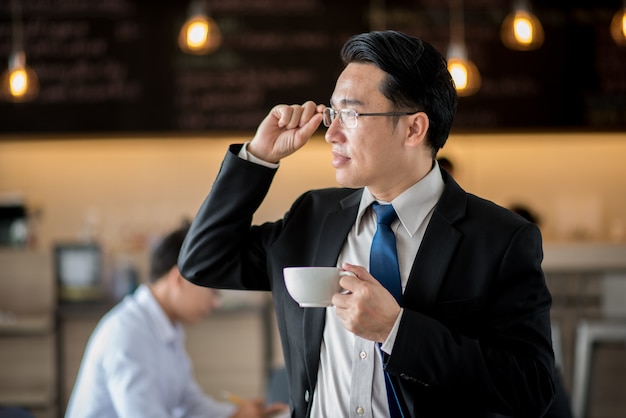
[(19, 82), (521, 30), (463, 71), (199, 34), (618, 26)]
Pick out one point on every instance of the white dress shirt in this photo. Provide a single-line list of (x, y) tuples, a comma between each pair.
[(135, 365)]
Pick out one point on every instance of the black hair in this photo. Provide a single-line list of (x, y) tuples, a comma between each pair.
[(165, 255), (417, 77)]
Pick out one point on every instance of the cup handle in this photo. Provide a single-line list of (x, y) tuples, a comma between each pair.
[(346, 273)]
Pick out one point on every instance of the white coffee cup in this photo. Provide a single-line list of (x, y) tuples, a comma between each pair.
[(313, 287)]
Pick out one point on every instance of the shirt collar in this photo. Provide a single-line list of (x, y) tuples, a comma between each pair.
[(412, 205), (164, 328)]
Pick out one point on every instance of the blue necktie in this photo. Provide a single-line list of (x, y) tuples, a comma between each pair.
[(383, 255), (384, 267)]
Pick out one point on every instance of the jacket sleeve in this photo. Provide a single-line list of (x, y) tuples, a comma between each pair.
[(221, 249)]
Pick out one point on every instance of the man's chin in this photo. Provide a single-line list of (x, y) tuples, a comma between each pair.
[(346, 181)]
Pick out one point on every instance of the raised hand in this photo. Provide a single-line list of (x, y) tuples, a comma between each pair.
[(285, 130)]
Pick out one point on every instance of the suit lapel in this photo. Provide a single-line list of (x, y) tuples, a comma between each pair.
[(430, 265), (334, 230), (436, 250)]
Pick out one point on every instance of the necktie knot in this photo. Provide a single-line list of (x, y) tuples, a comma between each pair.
[(385, 214)]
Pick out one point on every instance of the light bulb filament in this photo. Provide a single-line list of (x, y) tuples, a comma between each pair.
[(459, 74), (523, 30), (465, 75), (18, 82), (197, 34)]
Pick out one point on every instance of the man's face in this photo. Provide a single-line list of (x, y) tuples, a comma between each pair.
[(373, 153)]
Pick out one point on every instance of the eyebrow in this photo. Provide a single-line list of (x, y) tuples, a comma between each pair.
[(347, 102)]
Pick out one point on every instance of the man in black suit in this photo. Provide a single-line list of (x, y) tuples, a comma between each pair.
[(469, 335)]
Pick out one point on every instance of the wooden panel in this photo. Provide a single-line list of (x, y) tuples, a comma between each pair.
[(28, 375), (75, 333), (27, 283), (27, 340), (227, 353)]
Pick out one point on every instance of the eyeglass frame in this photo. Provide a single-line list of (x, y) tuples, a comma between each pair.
[(333, 114)]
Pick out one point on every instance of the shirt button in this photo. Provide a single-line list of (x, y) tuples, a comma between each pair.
[(306, 396), (360, 411), (363, 355)]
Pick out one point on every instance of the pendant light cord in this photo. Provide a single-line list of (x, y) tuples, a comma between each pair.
[(457, 25), (18, 30)]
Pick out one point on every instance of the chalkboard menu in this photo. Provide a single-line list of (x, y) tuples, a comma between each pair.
[(112, 66), (576, 80)]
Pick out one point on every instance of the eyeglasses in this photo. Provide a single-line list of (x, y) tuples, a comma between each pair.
[(348, 118)]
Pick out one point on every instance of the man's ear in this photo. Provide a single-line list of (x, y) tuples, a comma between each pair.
[(417, 129)]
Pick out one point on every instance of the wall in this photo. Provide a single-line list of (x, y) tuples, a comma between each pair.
[(126, 190), (573, 181)]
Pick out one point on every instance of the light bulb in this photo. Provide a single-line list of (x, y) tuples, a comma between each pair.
[(463, 71), (19, 83), (199, 35), (465, 75), (458, 71), (521, 31), (618, 27)]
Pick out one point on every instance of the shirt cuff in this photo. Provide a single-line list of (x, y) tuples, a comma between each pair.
[(245, 155), (387, 346)]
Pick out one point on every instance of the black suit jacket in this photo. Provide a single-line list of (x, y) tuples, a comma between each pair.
[(474, 339)]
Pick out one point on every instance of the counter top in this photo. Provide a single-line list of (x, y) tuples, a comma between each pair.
[(584, 256), (25, 324)]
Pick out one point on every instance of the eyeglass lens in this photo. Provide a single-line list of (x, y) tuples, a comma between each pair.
[(328, 116), (347, 117)]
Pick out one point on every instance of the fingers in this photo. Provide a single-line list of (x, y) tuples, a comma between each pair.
[(275, 409), (360, 274), (351, 283), (295, 116), (368, 310), (286, 129), (253, 408)]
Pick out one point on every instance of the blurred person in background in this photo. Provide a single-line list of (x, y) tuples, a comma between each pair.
[(135, 363)]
